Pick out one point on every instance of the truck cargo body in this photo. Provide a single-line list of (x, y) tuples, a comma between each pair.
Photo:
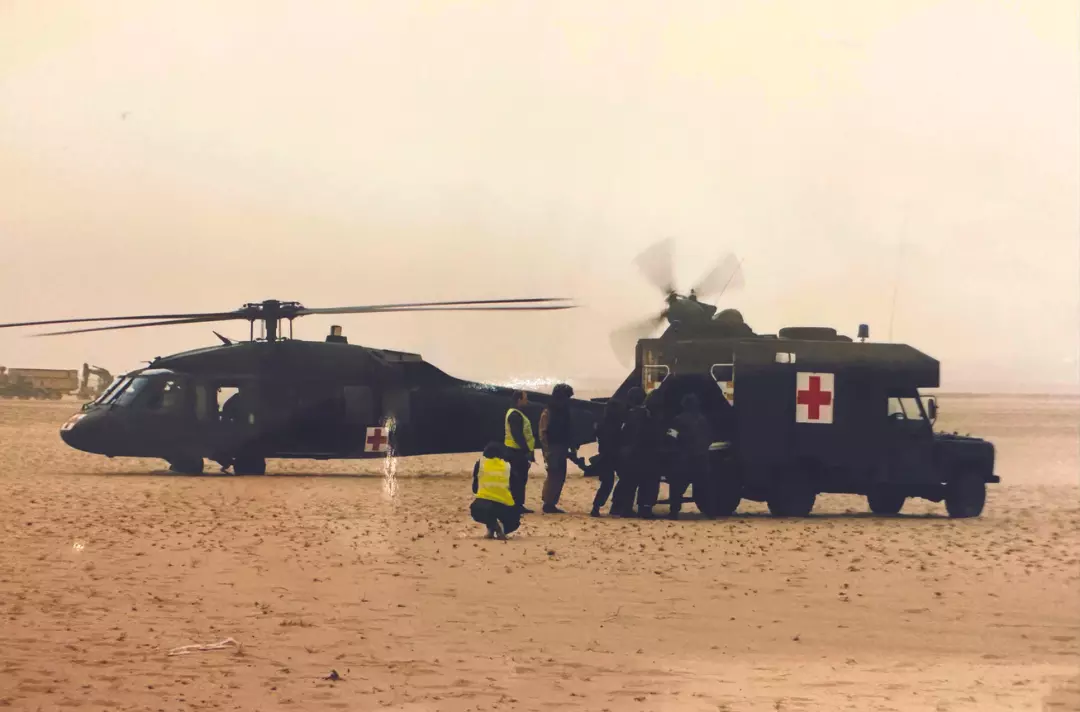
[(855, 448), (50, 383)]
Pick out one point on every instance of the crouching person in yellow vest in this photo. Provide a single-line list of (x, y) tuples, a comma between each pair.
[(494, 506)]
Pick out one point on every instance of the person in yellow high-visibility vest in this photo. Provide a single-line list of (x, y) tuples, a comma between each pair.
[(520, 444), (494, 505)]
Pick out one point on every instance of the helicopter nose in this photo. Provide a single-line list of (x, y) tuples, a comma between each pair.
[(78, 434)]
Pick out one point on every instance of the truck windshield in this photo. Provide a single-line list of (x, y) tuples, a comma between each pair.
[(905, 406)]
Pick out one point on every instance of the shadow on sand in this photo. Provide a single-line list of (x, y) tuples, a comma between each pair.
[(687, 515)]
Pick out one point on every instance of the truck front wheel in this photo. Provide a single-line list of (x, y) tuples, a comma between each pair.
[(965, 495)]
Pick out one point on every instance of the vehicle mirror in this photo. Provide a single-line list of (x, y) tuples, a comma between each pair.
[(931, 409)]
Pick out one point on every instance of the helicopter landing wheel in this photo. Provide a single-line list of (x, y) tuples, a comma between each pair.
[(186, 465), (249, 466)]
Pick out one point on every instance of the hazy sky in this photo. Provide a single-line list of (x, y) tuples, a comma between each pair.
[(190, 155)]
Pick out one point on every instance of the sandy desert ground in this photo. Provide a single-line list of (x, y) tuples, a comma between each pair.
[(377, 573)]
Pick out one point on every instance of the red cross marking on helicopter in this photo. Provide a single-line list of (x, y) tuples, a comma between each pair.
[(376, 441), (815, 393)]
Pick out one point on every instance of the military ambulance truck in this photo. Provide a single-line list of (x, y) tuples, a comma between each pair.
[(809, 411)]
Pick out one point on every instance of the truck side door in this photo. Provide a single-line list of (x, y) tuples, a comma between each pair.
[(909, 440)]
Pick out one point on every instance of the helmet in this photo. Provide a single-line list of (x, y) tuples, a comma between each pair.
[(562, 391)]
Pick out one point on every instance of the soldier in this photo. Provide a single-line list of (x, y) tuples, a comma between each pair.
[(652, 460), (606, 462), (690, 432), (636, 449), (556, 440)]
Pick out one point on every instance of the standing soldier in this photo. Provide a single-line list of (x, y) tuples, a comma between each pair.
[(556, 440), (606, 462), (520, 445), (691, 433), (653, 461), (636, 451)]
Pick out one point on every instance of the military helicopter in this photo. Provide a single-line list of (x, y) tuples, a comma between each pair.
[(686, 315), (241, 402)]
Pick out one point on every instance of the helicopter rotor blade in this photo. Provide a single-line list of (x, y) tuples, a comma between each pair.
[(256, 312), (416, 305), (167, 322), (657, 264), (542, 307), (215, 315), (727, 274), (624, 339)]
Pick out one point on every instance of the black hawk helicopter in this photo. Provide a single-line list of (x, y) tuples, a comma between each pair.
[(239, 403), (686, 315)]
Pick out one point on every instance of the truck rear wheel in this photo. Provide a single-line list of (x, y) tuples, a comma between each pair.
[(719, 493), (249, 466), (792, 497), (965, 495), (885, 502), (719, 496)]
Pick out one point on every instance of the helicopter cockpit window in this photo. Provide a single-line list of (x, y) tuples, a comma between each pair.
[(127, 395), (165, 396), (113, 392), (904, 408)]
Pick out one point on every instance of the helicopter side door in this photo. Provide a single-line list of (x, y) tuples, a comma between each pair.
[(228, 415), (319, 418), (155, 414)]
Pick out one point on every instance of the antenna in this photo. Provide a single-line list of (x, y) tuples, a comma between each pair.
[(734, 272), (899, 266)]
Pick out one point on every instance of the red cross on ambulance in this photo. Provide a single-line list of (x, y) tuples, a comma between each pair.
[(815, 394)]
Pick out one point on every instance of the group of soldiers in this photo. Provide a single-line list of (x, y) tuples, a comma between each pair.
[(635, 447)]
